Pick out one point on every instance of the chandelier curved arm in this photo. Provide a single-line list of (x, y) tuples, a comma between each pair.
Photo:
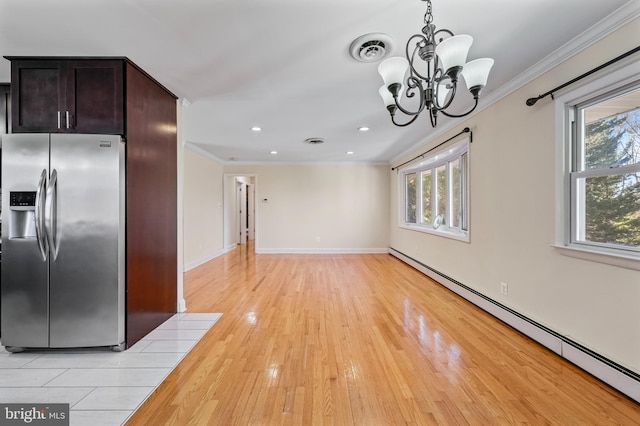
[(461, 115), (453, 87), (413, 83), (393, 120), (423, 41), (444, 30)]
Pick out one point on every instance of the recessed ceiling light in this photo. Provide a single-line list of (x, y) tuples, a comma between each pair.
[(363, 128), (256, 128), (273, 152), (349, 152)]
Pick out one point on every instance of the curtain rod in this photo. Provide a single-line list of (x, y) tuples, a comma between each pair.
[(465, 130), (532, 101)]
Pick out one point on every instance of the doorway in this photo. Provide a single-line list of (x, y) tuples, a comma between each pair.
[(240, 215), (246, 212)]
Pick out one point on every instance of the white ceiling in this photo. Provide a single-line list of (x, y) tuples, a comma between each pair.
[(284, 65)]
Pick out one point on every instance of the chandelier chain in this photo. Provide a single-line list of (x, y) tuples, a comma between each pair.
[(428, 17)]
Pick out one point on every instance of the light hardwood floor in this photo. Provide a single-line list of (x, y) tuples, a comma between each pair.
[(362, 340)]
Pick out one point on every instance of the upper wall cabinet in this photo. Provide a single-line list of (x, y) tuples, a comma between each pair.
[(67, 96)]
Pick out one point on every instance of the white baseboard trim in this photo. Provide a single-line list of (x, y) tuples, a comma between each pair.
[(615, 375), (592, 364), (322, 251), (182, 306), (191, 265)]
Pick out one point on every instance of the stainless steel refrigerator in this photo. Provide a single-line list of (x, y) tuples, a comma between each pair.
[(63, 241)]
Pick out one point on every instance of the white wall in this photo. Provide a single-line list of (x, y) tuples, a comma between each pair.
[(319, 208), (512, 220), (202, 209)]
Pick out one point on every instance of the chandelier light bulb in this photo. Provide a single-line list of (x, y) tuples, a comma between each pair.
[(453, 51), (476, 72), (393, 70), (443, 92), (386, 95)]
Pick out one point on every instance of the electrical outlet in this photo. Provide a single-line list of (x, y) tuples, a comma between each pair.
[(504, 289)]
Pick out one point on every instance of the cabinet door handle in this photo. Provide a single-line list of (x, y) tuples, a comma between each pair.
[(67, 117), (58, 119)]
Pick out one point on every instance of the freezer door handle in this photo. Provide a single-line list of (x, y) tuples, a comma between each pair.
[(51, 219), (39, 216)]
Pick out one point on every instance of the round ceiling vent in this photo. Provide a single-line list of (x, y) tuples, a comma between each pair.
[(314, 141), (371, 47)]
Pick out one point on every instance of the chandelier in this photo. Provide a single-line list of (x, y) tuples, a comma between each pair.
[(436, 84)]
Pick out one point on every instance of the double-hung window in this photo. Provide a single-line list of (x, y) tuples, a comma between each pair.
[(435, 193), (604, 178)]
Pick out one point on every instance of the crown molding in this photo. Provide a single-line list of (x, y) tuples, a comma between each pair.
[(195, 148), (306, 163), (201, 151), (608, 25)]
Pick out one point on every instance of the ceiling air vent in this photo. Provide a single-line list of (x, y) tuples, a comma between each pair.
[(314, 141), (371, 47)]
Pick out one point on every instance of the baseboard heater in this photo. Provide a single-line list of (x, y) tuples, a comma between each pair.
[(608, 371)]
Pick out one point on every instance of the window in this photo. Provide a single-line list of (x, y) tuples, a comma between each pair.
[(435, 193), (604, 178), (410, 197)]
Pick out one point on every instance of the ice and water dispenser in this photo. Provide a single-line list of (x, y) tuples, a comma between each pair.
[(22, 214)]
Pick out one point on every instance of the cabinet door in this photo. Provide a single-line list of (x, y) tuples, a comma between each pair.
[(95, 96), (38, 92)]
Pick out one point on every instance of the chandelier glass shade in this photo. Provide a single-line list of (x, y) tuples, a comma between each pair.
[(434, 62)]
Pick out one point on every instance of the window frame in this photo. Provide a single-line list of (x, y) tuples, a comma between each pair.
[(458, 151), (595, 90)]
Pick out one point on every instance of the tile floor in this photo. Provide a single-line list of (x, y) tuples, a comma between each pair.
[(101, 387)]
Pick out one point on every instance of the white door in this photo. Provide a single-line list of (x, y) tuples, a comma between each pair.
[(251, 211), (242, 213)]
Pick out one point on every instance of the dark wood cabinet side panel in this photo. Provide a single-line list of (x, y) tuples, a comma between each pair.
[(5, 116), (95, 96), (38, 90), (5, 109), (151, 204)]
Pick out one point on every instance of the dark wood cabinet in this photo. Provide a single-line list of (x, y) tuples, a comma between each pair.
[(67, 96), (151, 205)]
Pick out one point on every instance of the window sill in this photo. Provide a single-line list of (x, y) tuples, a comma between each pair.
[(610, 257), (460, 236)]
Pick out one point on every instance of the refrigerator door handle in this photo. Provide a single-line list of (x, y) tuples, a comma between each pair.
[(39, 216), (51, 219)]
